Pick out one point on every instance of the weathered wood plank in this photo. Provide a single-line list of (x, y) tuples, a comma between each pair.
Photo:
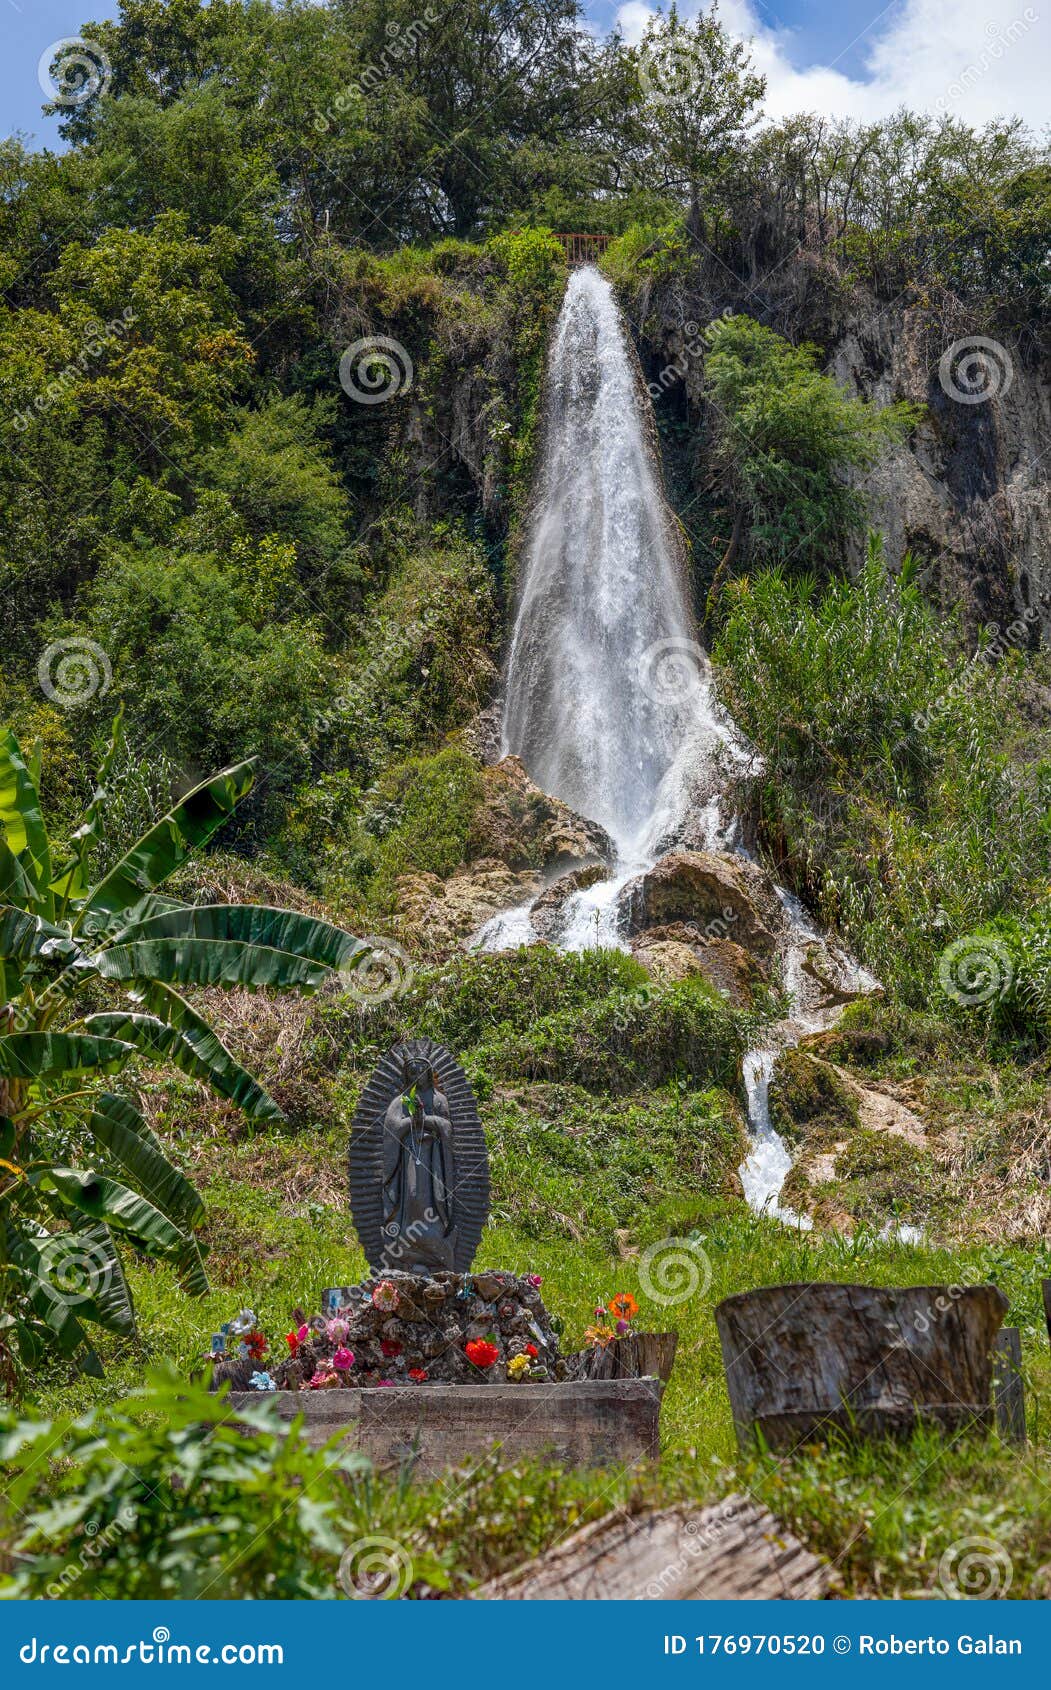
[(732, 1550), (868, 1360), (588, 1423), (1008, 1388)]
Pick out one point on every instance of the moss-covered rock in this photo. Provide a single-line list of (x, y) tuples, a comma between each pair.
[(810, 1105)]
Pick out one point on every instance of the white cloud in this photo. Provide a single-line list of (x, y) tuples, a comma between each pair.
[(975, 59)]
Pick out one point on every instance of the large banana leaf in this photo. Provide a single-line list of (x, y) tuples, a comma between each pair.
[(15, 884), (251, 924), (20, 819), (103, 1198), (89, 1251), (225, 1073), (120, 1129), (38, 1056), (211, 962), (24, 937), (158, 853)]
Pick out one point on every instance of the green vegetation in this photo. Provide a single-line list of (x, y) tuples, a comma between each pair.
[(70, 939)]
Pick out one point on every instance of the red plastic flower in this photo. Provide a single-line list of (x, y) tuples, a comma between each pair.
[(294, 1339), (481, 1353), (531, 1350), (390, 1347), (418, 1374)]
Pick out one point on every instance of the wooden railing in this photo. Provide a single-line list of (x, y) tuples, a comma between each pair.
[(583, 249)]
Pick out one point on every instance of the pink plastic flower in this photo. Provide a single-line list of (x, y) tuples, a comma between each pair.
[(534, 1280), (385, 1297), (336, 1330), (343, 1359), (384, 1381), (322, 1380)]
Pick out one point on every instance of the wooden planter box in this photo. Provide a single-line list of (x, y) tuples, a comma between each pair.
[(867, 1360), (587, 1423)]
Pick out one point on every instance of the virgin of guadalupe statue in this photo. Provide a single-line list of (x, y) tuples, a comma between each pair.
[(419, 1172)]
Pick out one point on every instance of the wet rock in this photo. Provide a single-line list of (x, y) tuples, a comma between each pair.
[(528, 829), (677, 952), (724, 897), (548, 913)]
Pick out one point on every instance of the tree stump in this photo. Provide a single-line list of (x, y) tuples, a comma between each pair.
[(871, 1361), (638, 1355), (1008, 1389), (733, 1550)]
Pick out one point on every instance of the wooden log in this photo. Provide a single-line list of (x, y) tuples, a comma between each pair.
[(1008, 1388), (637, 1355), (802, 1360), (733, 1550)]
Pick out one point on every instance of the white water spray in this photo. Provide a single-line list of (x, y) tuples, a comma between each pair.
[(609, 701)]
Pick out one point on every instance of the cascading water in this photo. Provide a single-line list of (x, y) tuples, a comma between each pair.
[(609, 700)]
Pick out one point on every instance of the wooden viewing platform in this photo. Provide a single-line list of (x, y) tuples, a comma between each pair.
[(583, 249)]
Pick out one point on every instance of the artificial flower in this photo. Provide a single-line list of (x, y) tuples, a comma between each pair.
[(255, 1344), (622, 1327), (624, 1305), (337, 1330), (323, 1379), (599, 1336), (418, 1374), (294, 1339), (385, 1297), (243, 1323), (481, 1352), (531, 1350), (390, 1347), (517, 1367), (534, 1280), (343, 1359), (261, 1382), (384, 1381)]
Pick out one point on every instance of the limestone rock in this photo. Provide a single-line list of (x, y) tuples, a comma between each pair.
[(676, 952), (436, 916), (528, 829), (547, 912), (721, 897)]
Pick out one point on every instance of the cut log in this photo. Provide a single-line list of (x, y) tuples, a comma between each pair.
[(732, 1550), (638, 1355), (802, 1360), (1008, 1389)]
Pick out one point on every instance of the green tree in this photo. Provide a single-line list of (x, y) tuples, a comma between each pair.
[(786, 439)]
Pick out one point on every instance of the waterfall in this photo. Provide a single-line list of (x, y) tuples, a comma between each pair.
[(609, 700)]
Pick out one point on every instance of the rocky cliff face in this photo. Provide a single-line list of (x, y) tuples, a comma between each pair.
[(968, 494)]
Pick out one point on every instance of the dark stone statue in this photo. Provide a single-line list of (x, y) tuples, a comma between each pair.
[(419, 1174)]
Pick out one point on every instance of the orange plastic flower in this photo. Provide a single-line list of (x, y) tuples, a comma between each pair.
[(599, 1336), (624, 1305)]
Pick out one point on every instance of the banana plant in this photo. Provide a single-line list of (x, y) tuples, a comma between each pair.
[(91, 976)]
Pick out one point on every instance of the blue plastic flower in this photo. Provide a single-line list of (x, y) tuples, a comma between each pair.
[(262, 1382)]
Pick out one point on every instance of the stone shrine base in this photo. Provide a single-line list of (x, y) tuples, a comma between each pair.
[(587, 1423)]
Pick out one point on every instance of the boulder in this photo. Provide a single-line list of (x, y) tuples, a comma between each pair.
[(720, 897), (547, 912), (528, 829), (435, 916), (674, 953)]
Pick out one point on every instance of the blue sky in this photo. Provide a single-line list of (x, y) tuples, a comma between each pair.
[(976, 58)]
